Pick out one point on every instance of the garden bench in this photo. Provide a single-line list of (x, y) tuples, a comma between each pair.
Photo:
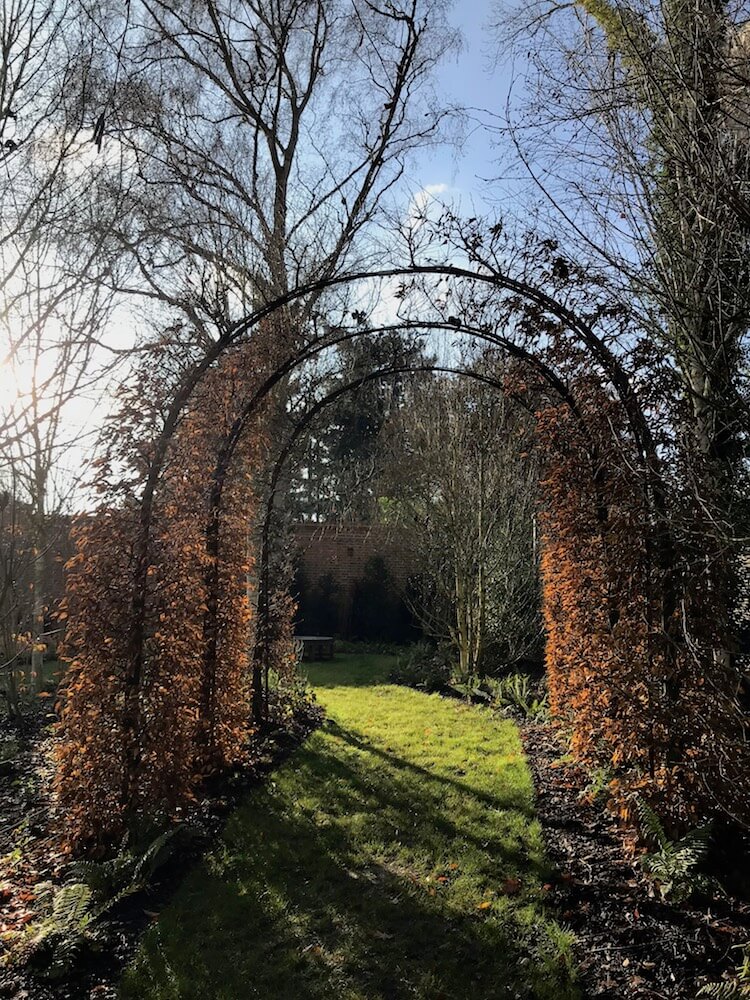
[(315, 647)]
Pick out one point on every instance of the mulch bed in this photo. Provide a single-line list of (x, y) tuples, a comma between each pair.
[(631, 944), (29, 851)]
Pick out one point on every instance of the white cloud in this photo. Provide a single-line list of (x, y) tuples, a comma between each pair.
[(425, 204)]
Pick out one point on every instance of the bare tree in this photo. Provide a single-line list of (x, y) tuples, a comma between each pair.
[(264, 138), (56, 382), (51, 314), (463, 487)]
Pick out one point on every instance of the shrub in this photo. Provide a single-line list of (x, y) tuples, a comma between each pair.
[(290, 699), (674, 864), (423, 667), (518, 693)]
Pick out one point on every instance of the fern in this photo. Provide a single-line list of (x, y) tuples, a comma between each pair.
[(518, 692), (129, 872), (66, 929), (736, 988), (674, 864), (76, 918), (725, 991), (71, 909), (153, 858), (105, 878), (651, 826)]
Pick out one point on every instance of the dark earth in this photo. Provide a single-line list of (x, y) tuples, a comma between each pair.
[(631, 944)]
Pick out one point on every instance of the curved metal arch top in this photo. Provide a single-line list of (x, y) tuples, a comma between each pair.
[(600, 352)]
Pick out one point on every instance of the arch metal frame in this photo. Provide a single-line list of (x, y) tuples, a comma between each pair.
[(595, 345)]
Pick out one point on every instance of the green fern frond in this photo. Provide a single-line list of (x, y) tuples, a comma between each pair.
[(156, 855), (105, 878), (650, 824), (698, 841), (737, 988), (71, 908), (75, 918), (673, 865), (733, 990)]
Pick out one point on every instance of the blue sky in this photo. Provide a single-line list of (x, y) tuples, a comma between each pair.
[(471, 79)]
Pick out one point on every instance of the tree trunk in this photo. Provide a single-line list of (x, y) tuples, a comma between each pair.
[(39, 607)]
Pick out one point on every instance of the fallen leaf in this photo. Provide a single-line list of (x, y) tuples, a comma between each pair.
[(511, 886)]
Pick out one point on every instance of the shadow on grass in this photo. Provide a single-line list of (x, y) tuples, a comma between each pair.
[(321, 888), (350, 670), (354, 739)]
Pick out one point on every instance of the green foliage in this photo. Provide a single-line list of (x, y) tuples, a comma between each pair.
[(515, 692), (674, 864), (423, 667), (598, 785), (130, 871), (71, 923), (77, 910), (289, 698), (343, 449), (735, 988), (518, 691)]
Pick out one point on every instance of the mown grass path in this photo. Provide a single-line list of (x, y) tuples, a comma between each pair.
[(394, 856)]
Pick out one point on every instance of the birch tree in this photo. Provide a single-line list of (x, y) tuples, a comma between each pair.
[(51, 314)]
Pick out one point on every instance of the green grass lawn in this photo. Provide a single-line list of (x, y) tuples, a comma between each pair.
[(394, 856)]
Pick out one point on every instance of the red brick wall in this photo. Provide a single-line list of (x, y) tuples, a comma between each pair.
[(344, 549)]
